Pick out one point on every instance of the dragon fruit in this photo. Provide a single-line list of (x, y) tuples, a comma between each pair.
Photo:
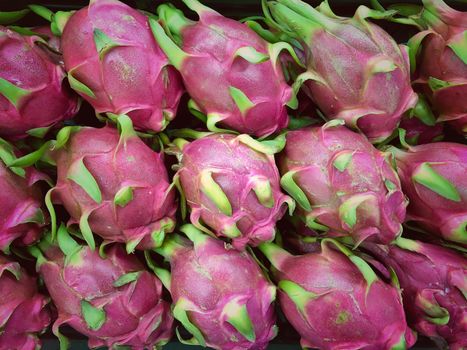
[(34, 95), (355, 70), (24, 314), (231, 184), (433, 281), (343, 185), (114, 63), (335, 300), (433, 178), (114, 185), (21, 217), (111, 299), (441, 65), (233, 76), (220, 295)]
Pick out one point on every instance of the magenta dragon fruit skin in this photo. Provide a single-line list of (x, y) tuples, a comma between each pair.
[(355, 70), (434, 288), (232, 187), (434, 179), (441, 65), (23, 312), (33, 93), (115, 64), (113, 184), (343, 185), (22, 218), (112, 300), (247, 91), (335, 300), (220, 295)]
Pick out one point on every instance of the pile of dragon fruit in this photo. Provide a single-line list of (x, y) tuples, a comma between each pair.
[(176, 173)]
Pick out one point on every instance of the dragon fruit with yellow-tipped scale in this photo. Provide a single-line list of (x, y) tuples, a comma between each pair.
[(22, 219), (34, 94), (111, 299), (233, 76), (23, 311), (342, 184), (439, 61), (113, 184), (434, 288), (220, 295), (114, 63), (434, 179), (335, 300), (355, 70), (231, 184)]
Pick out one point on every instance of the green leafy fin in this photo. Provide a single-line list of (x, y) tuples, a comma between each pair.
[(66, 243), (79, 86), (263, 191), (250, 54), (242, 101), (79, 174), (123, 196), (93, 316), (127, 278), (290, 186), (297, 294), (342, 161), (175, 54), (12, 93), (86, 230), (180, 313), (426, 176), (215, 193), (459, 46), (103, 43), (237, 315)]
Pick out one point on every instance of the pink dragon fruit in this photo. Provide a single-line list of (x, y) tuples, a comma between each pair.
[(355, 70), (231, 184), (335, 300), (113, 300), (21, 217), (434, 179), (433, 281), (343, 185), (220, 295), (114, 185), (33, 92), (441, 68), (247, 91), (114, 63), (23, 312)]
